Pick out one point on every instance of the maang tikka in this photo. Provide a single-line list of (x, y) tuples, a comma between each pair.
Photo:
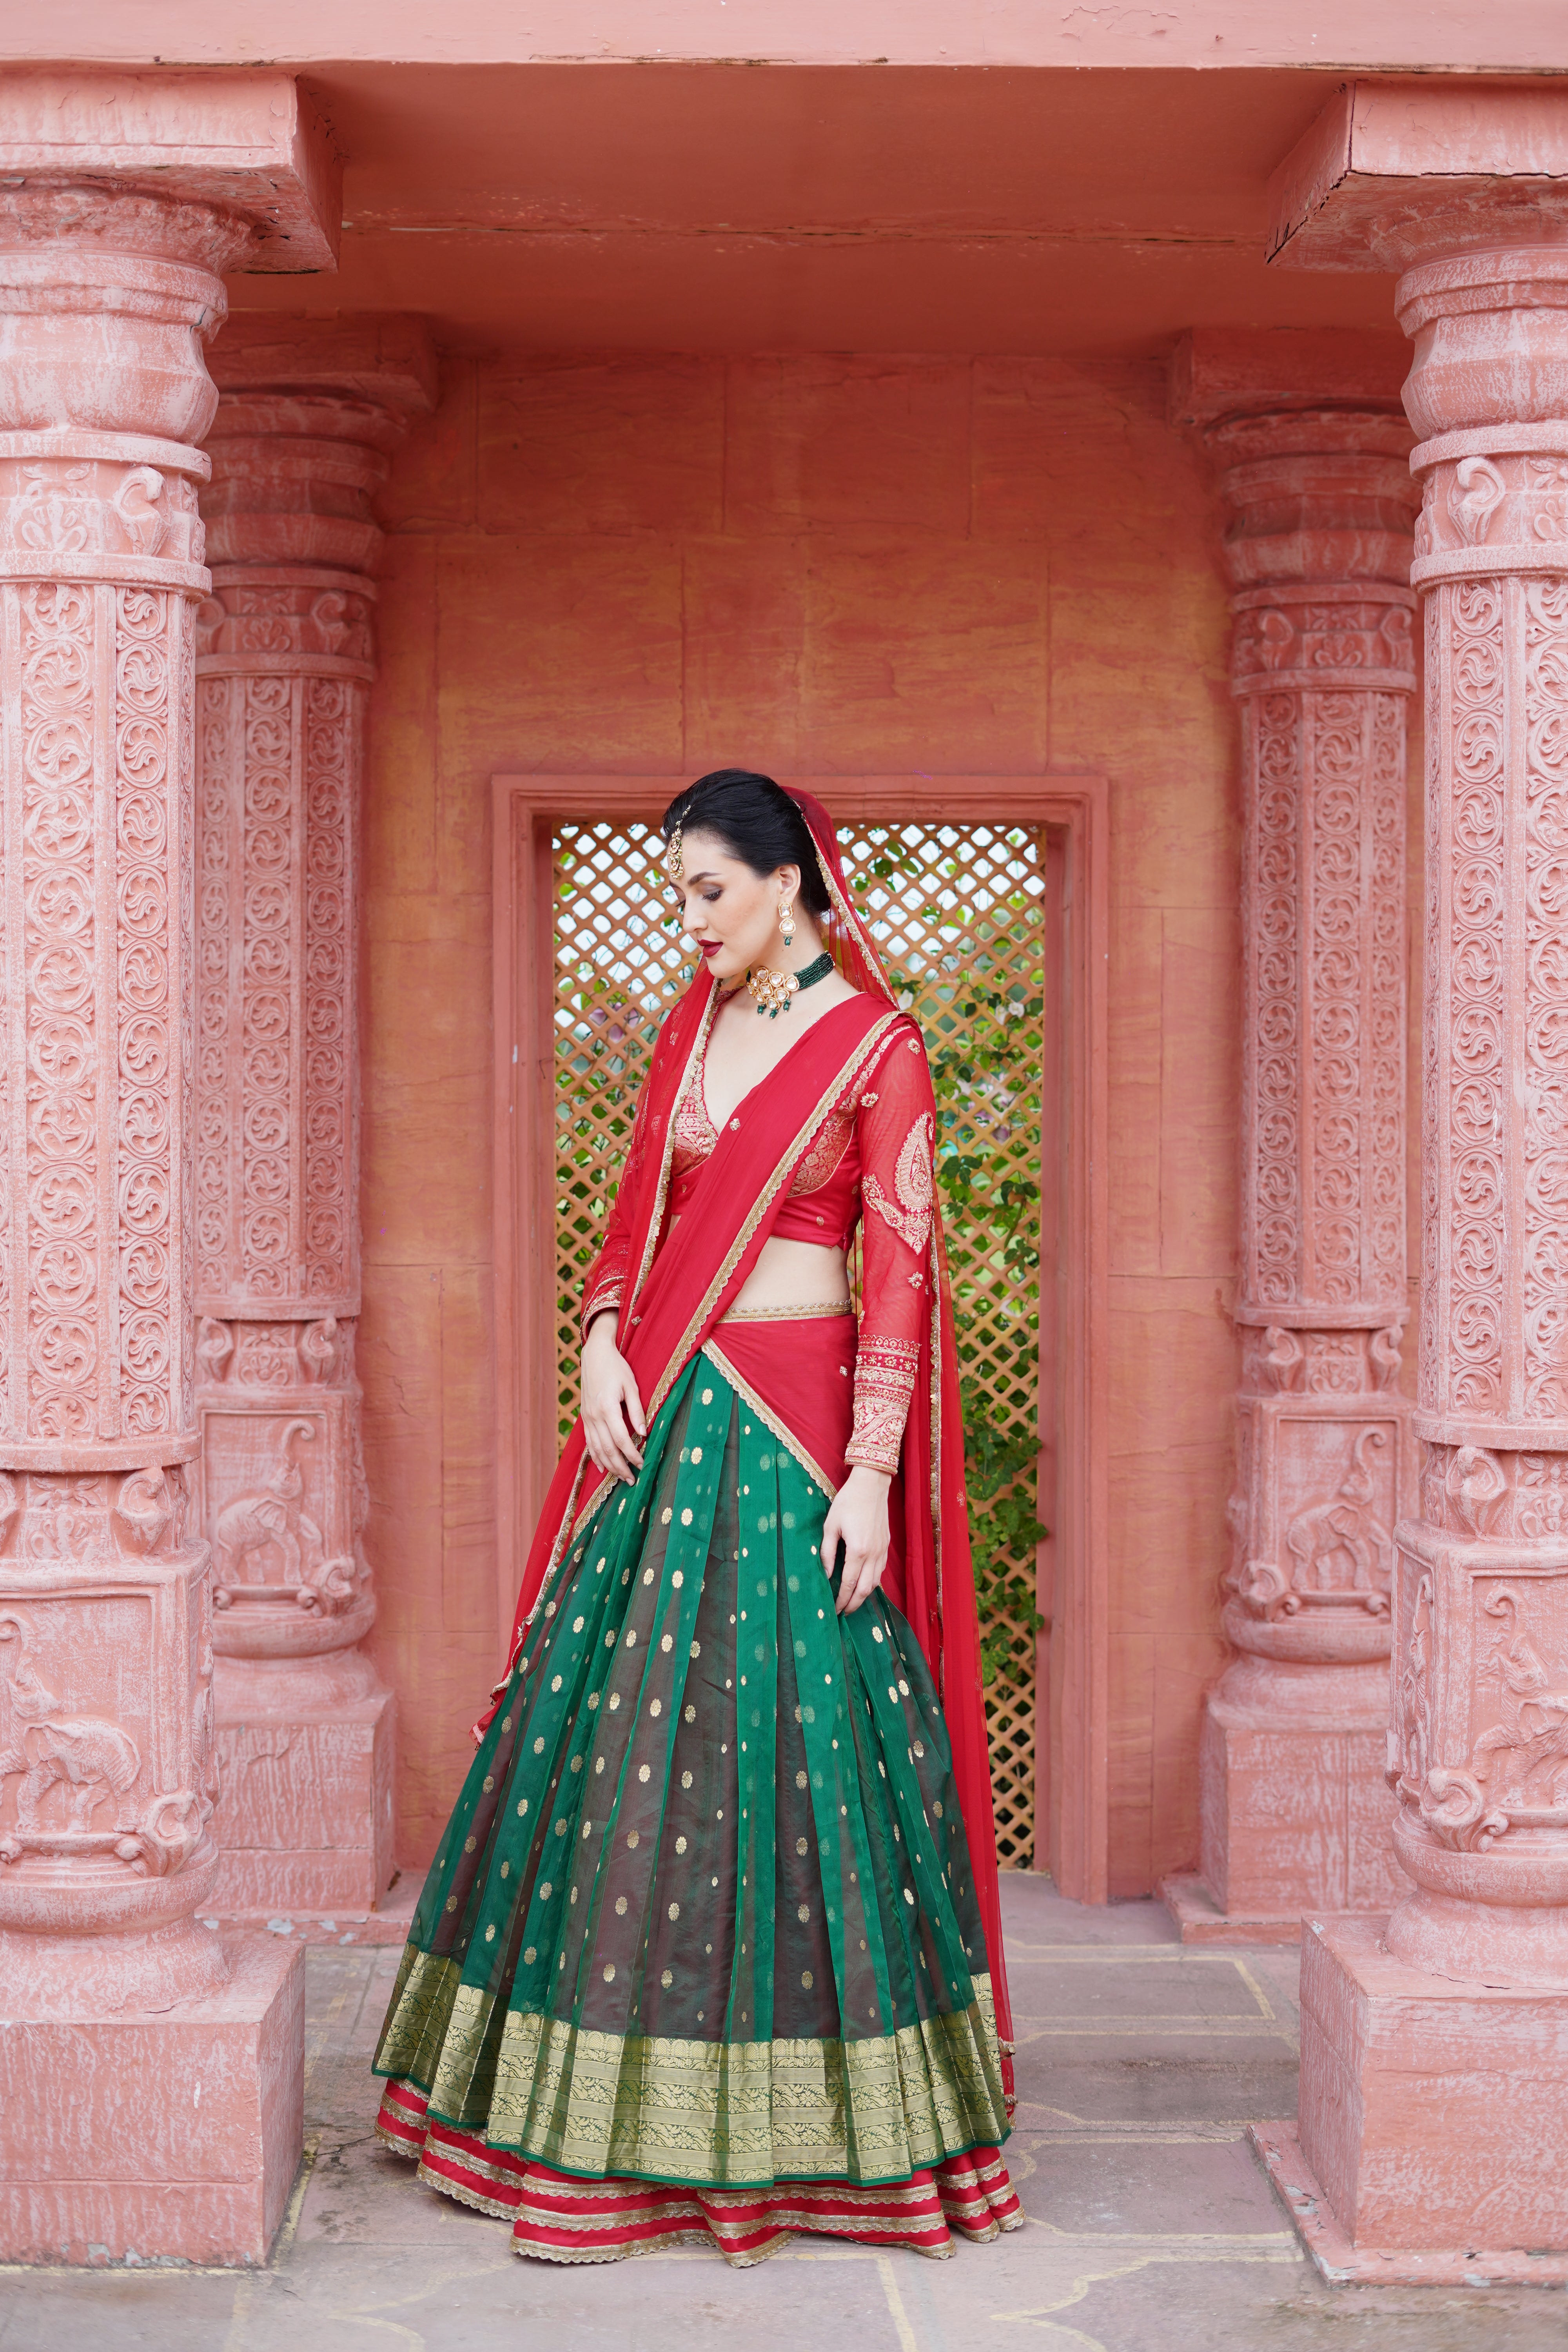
[(672, 865)]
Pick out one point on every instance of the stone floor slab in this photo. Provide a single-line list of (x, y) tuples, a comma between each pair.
[(1162, 1984), (1211, 2186)]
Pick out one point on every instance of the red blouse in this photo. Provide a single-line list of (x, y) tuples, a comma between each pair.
[(873, 1152)]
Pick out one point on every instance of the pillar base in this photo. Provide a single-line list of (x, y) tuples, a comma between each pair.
[(388, 1924), (304, 1823), (1201, 1921), (144, 2137), (1432, 2111), (1294, 1809), (1341, 2263)]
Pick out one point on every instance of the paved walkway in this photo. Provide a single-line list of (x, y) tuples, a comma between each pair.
[(1151, 2228)]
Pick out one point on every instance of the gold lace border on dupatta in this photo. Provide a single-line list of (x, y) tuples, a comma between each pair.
[(741, 2114)]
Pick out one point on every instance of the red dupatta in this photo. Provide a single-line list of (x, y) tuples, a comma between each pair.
[(679, 1288)]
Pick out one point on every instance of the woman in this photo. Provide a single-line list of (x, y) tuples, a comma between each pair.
[(711, 1949)]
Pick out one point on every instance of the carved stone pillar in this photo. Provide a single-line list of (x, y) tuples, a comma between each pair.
[(308, 417), (1435, 2053), (117, 2000), (1295, 1810)]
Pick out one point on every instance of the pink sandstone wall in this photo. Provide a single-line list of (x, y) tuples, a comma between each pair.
[(808, 564)]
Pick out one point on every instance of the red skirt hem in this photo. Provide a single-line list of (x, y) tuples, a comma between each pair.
[(556, 2218)]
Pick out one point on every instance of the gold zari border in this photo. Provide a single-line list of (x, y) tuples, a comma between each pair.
[(710, 2113), (419, 2016)]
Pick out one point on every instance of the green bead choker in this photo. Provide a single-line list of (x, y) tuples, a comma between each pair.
[(775, 991)]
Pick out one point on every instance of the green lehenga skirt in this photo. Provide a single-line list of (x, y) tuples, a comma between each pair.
[(703, 1915)]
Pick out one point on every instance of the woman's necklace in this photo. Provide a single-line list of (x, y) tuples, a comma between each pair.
[(774, 993)]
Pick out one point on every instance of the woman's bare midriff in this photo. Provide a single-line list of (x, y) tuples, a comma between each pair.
[(796, 1274)]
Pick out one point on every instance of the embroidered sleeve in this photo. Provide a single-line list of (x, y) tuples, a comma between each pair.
[(909, 1210), (884, 1383), (607, 1284), (896, 1116)]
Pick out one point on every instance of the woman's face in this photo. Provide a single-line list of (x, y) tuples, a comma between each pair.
[(730, 912)]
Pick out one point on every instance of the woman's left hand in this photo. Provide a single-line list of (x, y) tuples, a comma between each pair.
[(857, 1518)]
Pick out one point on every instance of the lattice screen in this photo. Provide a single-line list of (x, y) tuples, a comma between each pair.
[(957, 911)]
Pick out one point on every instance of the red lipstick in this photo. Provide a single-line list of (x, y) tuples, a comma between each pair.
[(709, 947)]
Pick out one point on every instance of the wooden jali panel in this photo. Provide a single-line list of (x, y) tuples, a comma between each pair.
[(958, 913)]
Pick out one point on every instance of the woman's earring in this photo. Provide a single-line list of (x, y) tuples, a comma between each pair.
[(786, 922)]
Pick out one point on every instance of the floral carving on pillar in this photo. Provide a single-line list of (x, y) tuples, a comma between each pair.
[(277, 1164), (280, 731), (1498, 814), (285, 661), (98, 995)]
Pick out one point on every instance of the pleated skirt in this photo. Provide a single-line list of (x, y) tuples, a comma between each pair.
[(699, 1957)]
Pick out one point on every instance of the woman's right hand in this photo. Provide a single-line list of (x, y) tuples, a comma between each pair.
[(612, 1408)]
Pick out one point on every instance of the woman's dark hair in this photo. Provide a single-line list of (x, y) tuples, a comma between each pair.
[(757, 822)]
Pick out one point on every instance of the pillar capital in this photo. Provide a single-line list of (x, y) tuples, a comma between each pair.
[(1320, 510), (311, 411), (248, 148), (123, 199), (1397, 173), (1219, 373), (1313, 452), (384, 358)]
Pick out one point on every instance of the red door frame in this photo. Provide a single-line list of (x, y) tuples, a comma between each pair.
[(1072, 1780)]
